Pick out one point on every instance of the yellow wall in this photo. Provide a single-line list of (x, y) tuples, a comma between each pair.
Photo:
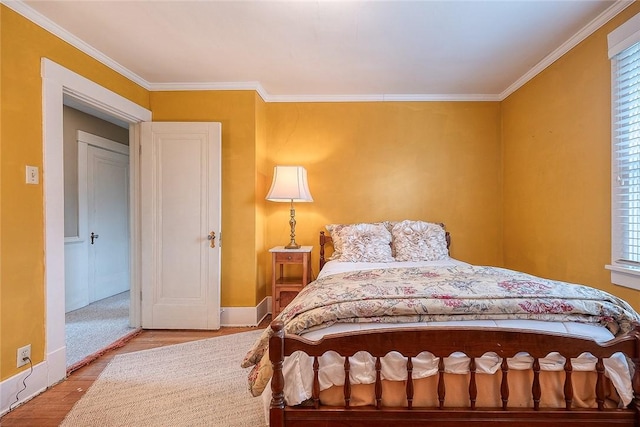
[(435, 161), (22, 44), (262, 183), (557, 168)]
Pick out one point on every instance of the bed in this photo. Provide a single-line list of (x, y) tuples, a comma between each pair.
[(395, 332)]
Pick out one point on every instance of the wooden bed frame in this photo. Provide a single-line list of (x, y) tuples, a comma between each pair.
[(474, 343)]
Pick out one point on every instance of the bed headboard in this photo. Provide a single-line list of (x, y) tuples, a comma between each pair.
[(324, 239)]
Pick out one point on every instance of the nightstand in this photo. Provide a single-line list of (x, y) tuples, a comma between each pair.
[(284, 288)]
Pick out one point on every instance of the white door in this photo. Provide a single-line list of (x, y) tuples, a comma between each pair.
[(180, 225), (108, 222)]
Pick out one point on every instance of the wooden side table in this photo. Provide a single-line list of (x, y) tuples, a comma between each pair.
[(285, 288)]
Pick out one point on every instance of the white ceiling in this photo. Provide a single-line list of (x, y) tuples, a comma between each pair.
[(296, 50)]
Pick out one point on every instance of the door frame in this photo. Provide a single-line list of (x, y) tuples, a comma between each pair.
[(59, 82)]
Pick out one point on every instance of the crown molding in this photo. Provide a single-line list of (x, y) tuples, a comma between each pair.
[(23, 9), (187, 86), (442, 97), (381, 98), (326, 98), (37, 18), (585, 32)]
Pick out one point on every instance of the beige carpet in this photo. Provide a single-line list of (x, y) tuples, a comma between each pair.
[(95, 327), (199, 383)]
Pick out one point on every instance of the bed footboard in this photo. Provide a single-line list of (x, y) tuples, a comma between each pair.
[(441, 343)]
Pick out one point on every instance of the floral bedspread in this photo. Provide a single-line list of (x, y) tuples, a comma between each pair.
[(427, 294)]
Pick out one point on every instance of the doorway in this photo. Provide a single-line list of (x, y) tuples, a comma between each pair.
[(59, 82), (97, 283)]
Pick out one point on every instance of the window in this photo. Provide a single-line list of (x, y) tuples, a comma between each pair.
[(624, 51)]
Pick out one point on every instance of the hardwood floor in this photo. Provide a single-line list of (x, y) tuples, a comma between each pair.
[(49, 408)]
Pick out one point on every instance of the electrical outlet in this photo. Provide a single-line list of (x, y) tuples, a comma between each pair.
[(24, 353)]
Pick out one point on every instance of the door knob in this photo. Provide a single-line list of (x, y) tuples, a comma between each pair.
[(212, 239), (93, 237)]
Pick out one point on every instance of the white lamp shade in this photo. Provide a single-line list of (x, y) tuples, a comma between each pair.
[(289, 184)]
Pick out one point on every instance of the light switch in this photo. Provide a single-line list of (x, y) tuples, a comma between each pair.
[(33, 176)]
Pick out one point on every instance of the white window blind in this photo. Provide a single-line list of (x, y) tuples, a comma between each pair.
[(626, 153), (624, 52)]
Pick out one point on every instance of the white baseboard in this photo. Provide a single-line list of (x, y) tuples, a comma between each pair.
[(56, 366), (36, 383), (44, 374), (245, 316)]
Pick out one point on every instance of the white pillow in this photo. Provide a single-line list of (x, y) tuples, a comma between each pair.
[(361, 242), (419, 241)]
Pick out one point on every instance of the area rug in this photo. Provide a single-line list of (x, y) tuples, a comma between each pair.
[(199, 383)]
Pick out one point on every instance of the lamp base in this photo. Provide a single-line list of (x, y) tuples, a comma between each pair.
[(292, 222)]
